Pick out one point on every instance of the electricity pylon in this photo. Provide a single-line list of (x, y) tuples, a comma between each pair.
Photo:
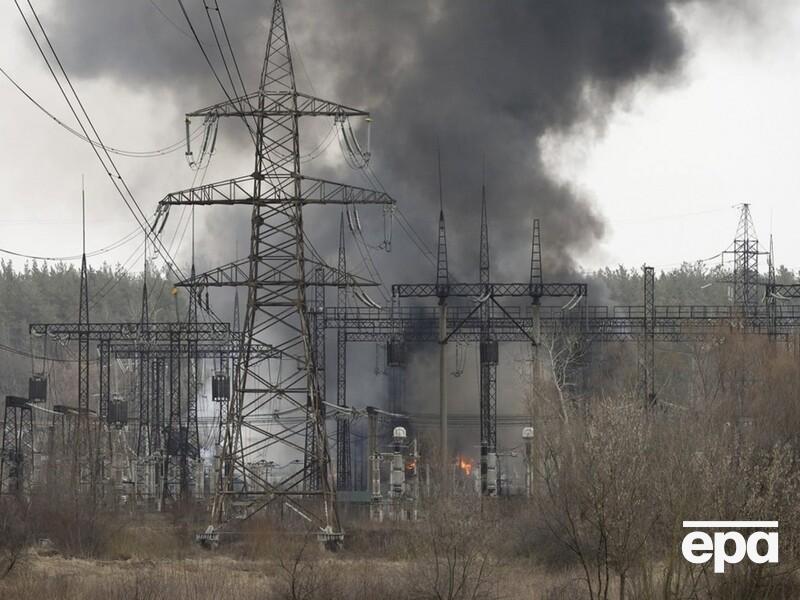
[(275, 274), (488, 365), (745, 278)]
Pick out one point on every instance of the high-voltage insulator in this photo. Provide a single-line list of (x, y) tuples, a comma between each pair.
[(527, 439), (210, 125), (491, 474), (397, 478)]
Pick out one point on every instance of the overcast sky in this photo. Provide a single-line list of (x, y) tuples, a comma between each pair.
[(660, 170), (671, 165)]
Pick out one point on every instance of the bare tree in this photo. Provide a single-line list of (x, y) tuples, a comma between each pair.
[(452, 551), (550, 377), (596, 494)]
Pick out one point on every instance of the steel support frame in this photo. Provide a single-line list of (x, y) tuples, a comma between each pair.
[(17, 449)]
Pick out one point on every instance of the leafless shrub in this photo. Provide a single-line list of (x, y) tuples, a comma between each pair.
[(452, 550), (14, 534)]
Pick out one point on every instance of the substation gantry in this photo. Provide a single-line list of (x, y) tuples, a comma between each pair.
[(176, 436), (644, 324), (486, 323)]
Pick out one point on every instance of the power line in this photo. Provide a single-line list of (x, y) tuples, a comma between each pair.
[(115, 177), (121, 271), (169, 19), (230, 47), (26, 354), (118, 151), (108, 163), (118, 244), (219, 47), (403, 221), (213, 70)]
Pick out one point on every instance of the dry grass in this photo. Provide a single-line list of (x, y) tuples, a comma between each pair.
[(59, 578), (215, 577)]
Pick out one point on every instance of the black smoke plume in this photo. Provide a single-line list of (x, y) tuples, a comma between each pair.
[(483, 80)]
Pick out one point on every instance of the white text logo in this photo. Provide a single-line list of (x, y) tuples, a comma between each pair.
[(699, 546)]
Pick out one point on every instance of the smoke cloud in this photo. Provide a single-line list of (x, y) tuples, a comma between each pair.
[(482, 80)]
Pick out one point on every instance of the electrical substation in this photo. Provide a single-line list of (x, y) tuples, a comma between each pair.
[(236, 414)]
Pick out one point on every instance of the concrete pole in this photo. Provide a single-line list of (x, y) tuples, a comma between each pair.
[(445, 456), (536, 334)]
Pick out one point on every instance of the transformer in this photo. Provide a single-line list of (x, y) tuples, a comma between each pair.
[(37, 389), (118, 412), (489, 352), (177, 440), (220, 387), (396, 354)]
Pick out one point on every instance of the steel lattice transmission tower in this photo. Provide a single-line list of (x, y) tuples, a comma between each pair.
[(344, 475), (442, 273), (144, 440), (488, 366), (745, 263), (647, 361), (84, 467), (277, 274)]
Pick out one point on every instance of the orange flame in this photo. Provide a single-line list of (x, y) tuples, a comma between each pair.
[(465, 465)]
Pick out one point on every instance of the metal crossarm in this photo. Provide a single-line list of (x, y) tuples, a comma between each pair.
[(237, 274), (783, 290), (130, 331), (497, 290), (134, 350), (281, 103), (239, 191)]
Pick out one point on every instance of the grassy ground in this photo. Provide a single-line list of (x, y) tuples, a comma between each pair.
[(155, 560), (218, 577)]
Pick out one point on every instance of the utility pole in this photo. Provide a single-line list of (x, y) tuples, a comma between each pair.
[(769, 296), (190, 449), (318, 337), (144, 441), (442, 291), (343, 458), (537, 289), (83, 467), (647, 340), (488, 365)]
